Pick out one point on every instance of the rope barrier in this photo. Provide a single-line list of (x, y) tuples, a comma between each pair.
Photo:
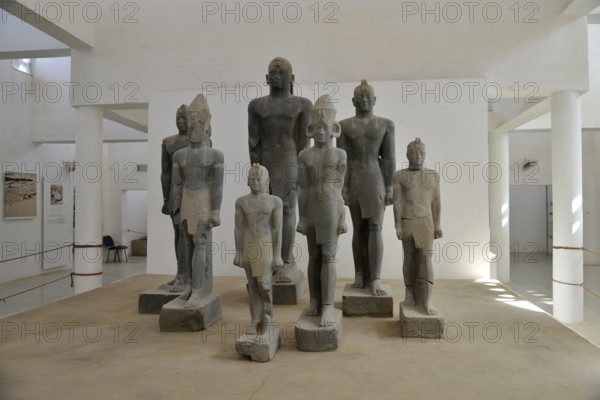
[(36, 287)]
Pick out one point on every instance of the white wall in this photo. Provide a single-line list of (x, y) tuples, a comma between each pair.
[(455, 134), (528, 219), (18, 153), (536, 145), (135, 218)]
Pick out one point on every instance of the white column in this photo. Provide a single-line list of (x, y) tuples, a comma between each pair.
[(499, 186), (88, 200), (567, 194)]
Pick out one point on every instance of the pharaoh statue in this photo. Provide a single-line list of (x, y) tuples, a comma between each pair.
[(276, 134), (321, 207), (417, 219), (369, 143), (196, 194), (169, 146)]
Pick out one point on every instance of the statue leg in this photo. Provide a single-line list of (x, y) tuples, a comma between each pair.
[(375, 258), (188, 247), (426, 278), (288, 235), (314, 273), (328, 278), (254, 302), (408, 270), (180, 279), (265, 285), (360, 232), (201, 268)]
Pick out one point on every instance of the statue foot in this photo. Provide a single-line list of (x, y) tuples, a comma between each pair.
[(429, 309), (264, 326), (167, 286), (195, 300), (326, 316), (313, 308), (358, 282), (284, 274), (251, 329), (187, 291), (376, 288), (178, 286), (409, 297)]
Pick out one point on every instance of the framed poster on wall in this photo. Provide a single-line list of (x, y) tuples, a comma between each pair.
[(57, 223), (20, 195)]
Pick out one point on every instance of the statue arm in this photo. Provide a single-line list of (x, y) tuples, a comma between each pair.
[(276, 231), (388, 160), (165, 177), (254, 128), (436, 207), (302, 140), (176, 187), (341, 143), (238, 233), (216, 192), (302, 188), (341, 171), (397, 194)]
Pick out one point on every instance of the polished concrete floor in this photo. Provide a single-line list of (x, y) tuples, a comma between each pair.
[(97, 346)]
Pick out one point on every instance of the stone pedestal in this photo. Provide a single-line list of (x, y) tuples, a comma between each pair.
[(174, 317), (289, 293), (151, 301), (360, 302), (310, 337), (259, 348), (415, 323)]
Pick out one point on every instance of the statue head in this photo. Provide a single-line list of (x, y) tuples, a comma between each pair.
[(364, 97), (280, 76), (181, 119), (415, 152), (323, 127), (198, 118), (258, 179)]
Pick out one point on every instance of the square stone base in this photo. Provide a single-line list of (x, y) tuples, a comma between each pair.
[(415, 323), (259, 348), (289, 293), (151, 301), (310, 337), (174, 317), (360, 302)]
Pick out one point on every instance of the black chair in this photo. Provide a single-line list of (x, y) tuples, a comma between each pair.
[(110, 245)]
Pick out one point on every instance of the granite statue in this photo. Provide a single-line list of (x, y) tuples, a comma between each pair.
[(417, 219), (169, 146), (321, 207), (276, 134), (258, 224), (196, 194), (368, 188)]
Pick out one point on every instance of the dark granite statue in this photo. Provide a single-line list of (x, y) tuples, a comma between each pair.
[(196, 194), (276, 134), (169, 146), (258, 222), (417, 217), (369, 143), (322, 212)]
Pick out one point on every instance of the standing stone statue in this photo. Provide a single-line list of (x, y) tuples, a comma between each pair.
[(369, 143), (276, 134), (197, 191), (258, 223), (417, 218), (322, 212), (169, 146)]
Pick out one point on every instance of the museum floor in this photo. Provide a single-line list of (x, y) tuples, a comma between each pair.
[(97, 346)]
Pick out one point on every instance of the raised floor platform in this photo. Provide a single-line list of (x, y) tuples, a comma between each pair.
[(97, 345)]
